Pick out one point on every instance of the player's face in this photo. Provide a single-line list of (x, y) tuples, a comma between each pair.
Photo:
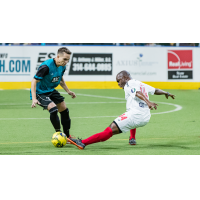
[(121, 80), (63, 59)]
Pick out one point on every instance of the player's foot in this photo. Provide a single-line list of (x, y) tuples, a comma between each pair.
[(71, 136), (77, 142), (132, 141)]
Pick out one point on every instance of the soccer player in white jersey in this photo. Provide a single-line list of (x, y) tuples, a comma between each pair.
[(138, 110)]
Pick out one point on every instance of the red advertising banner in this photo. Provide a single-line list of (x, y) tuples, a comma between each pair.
[(180, 59)]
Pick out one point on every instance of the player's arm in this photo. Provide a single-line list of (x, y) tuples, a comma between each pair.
[(161, 92), (150, 104), (41, 73), (64, 86), (33, 92)]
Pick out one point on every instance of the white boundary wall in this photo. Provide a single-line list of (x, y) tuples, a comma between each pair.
[(150, 64)]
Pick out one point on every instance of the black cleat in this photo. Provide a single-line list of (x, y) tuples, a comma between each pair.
[(77, 142), (132, 141)]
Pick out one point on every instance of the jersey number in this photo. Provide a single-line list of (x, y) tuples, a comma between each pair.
[(123, 117), (142, 89)]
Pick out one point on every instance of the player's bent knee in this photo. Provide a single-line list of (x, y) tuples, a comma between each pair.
[(51, 105), (61, 106), (53, 110), (115, 129)]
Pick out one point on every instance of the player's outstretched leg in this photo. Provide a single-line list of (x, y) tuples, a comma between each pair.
[(132, 140), (54, 118), (99, 137)]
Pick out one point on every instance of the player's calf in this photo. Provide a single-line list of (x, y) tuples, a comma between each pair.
[(65, 121), (55, 119), (132, 140)]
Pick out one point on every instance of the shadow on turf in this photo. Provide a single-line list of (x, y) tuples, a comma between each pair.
[(166, 146), (138, 146), (151, 146), (109, 148)]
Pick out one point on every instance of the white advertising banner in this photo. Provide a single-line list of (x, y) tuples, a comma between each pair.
[(96, 63)]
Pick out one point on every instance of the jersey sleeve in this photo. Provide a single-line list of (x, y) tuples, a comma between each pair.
[(132, 89), (42, 72), (150, 90)]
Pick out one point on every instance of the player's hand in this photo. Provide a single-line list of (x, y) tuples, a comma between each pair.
[(34, 102), (152, 106), (169, 95), (72, 94)]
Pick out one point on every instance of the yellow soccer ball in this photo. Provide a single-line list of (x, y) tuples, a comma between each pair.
[(59, 139)]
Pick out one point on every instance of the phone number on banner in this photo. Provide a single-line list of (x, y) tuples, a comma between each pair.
[(92, 67)]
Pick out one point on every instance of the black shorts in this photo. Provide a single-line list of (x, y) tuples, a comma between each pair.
[(47, 98)]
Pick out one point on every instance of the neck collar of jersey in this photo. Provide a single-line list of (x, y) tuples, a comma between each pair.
[(54, 62), (127, 84)]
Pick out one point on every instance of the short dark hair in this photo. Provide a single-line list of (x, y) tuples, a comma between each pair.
[(124, 73), (64, 50)]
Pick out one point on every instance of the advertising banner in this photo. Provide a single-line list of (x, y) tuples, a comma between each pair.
[(146, 64), (103, 63), (91, 64), (180, 64)]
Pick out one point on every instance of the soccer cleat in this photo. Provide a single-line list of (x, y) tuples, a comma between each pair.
[(71, 136), (77, 142), (132, 141)]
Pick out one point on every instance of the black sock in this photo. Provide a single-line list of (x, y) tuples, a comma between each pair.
[(55, 119), (65, 121)]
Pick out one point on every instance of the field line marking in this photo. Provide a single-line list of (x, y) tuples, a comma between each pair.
[(15, 104), (178, 107), (89, 95), (24, 142), (109, 140), (48, 118)]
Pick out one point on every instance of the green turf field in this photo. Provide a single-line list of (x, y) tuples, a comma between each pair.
[(27, 131)]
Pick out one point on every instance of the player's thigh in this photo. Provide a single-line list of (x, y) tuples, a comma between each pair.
[(58, 100), (61, 106), (124, 122), (45, 101), (51, 105), (141, 120)]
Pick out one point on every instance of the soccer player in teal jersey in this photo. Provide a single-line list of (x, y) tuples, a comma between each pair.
[(48, 77)]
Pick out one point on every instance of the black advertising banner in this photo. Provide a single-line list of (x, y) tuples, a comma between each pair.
[(91, 64), (180, 75)]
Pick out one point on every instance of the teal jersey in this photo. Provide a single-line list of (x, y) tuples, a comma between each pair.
[(49, 75)]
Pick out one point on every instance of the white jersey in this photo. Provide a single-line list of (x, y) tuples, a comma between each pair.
[(134, 103), (138, 113)]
